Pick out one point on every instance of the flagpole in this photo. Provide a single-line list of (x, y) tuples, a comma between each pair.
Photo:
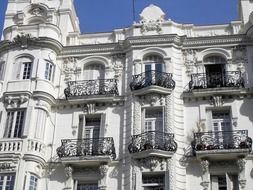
[(133, 10)]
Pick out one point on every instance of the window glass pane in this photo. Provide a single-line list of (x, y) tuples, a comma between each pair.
[(14, 124), (27, 66), (33, 182), (153, 181), (7, 181), (88, 186), (48, 71)]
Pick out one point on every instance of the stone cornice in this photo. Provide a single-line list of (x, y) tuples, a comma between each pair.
[(217, 40), (26, 42), (158, 40), (92, 48)]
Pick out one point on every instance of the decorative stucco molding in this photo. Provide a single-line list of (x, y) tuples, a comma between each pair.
[(15, 100), (216, 101)]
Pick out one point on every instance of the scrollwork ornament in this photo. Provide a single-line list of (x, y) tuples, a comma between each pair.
[(150, 162), (103, 169), (241, 164), (217, 101), (70, 68), (68, 171), (205, 185), (242, 183), (204, 165), (190, 60)]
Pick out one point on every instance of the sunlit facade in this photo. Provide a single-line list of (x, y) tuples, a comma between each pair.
[(155, 106)]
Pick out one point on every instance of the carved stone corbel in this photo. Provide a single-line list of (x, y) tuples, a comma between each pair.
[(68, 171), (205, 176), (217, 101), (16, 100), (103, 169)]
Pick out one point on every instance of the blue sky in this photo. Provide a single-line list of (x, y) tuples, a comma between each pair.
[(106, 15)]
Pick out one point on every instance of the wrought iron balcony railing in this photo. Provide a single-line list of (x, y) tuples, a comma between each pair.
[(150, 78), (222, 140), (215, 80), (87, 147), (91, 87), (152, 140)]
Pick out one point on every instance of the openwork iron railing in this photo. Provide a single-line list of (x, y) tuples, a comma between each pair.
[(222, 140), (149, 78), (217, 79), (152, 140), (87, 147), (91, 87)]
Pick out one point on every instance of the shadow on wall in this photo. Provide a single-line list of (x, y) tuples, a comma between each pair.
[(246, 109), (194, 169), (117, 171)]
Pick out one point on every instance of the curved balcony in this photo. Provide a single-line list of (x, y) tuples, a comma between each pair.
[(222, 144), (216, 80), (77, 89), (152, 81), (152, 143), (87, 151)]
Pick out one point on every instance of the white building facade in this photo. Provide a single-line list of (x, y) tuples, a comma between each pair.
[(155, 106)]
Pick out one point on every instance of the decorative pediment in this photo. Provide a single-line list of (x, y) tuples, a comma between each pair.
[(151, 163), (151, 19), (23, 40)]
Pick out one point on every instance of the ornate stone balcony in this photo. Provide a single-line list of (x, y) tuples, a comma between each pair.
[(152, 143), (78, 89), (222, 144), (87, 151), (152, 81), (216, 80)]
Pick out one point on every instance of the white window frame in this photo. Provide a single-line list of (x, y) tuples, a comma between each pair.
[(15, 121), (5, 180), (229, 182), (219, 122), (49, 71), (153, 120), (94, 185), (153, 184), (26, 69), (90, 71), (33, 182)]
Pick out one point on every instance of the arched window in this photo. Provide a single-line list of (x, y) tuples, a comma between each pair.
[(153, 62), (215, 70), (94, 71), (153, 66), (25, 64)]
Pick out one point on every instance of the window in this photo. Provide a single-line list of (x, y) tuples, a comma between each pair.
[(153, 68), (26, 68), (89, 131), (7, 181), (87, 186), (14, 124), (49, 71), (224, 182), (153, 120), (221, 120), (33, 182), (153, 182), (94, 71), (215, 71)]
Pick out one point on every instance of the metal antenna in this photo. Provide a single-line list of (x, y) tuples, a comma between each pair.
[(133, 10)]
